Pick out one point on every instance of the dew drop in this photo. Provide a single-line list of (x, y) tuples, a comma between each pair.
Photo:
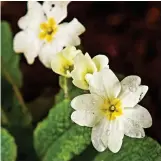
[(132, 88)]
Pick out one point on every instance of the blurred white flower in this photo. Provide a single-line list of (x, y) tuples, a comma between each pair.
[(83, 65), (62, 63), (42, 34), (112, 109)]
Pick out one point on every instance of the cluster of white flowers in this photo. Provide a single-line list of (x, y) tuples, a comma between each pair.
[(111, 108), (42, 34)]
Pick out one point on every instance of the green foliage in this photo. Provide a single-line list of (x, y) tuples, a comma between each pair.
[(56, 138), (47, 131), (13, 105), (57, 125), (10, 61), (145, 149), (15, 115), (8, 147), (71, 143)]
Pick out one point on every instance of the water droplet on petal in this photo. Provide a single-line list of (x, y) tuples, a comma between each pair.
[(133, 88)]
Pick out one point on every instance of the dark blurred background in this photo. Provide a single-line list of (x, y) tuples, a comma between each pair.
[(129, 33)]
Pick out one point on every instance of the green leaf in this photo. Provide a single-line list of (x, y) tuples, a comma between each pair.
[(71, 143), (10, 60), (13, 108), (57, 138), (47, 131), (58, 122), (16, 116), (8, 146), (145, 149), (12, 101)]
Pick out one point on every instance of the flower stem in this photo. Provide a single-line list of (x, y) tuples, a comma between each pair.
[(66, 88), (63, 82), (18, 95)]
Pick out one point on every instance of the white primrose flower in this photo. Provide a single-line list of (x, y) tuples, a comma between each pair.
[(63, 62), (83, 65), (112, 109), (42, 34)]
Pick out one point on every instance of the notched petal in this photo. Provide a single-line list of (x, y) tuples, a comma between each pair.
[(83, 65), (25, 42), (140, 115), (133, 129), (33, 17), (101, 62), (56, 9), (131, 98)]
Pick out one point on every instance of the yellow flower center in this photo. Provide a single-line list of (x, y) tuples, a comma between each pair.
[(67, 69), (112, 108), (48, 30), (67, 66)]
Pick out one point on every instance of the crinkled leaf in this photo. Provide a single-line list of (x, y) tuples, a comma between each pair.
[(71, 143), (47, 131), (8, 146), (57, 131), (145, 149), (57, 122), (57, 138)]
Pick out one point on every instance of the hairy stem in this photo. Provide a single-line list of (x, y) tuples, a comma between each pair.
[(63, 82)]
